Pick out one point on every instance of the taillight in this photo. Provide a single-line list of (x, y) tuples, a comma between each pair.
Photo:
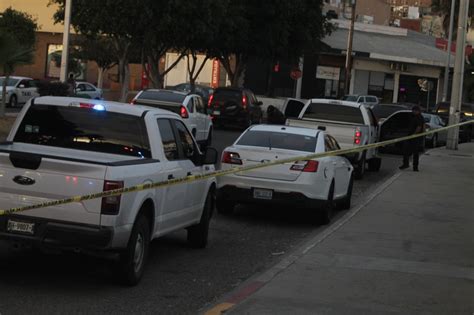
[(231, 158), (111, 204), (211, 98), (305, 166), (184, 112), (357, 136), (244, 101)]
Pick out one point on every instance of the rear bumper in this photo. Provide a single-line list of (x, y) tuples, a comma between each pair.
[(58, 234), (245, 195)]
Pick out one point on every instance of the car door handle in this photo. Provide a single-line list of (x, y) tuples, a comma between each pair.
[(170, 176)]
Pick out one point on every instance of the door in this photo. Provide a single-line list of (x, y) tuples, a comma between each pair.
[(175, 195), (201, 118), (340, 168), (192, 120), (293, 108), (189, 153), (26, 91)]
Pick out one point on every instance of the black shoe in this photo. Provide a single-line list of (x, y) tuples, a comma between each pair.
[(415, 169), (404, 166)]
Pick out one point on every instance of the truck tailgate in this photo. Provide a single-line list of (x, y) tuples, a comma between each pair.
[(27, 179)]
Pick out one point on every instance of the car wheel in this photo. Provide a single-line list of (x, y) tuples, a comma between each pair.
[(13, 101), (375, 164), (346, 202), (360, 168), (328, 208), (224, 206), (132, 261), (198, 234)]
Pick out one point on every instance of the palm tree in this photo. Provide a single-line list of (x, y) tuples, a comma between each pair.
[(12, 54)]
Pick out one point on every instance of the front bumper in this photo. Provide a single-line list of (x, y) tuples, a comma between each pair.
[(58, 234)]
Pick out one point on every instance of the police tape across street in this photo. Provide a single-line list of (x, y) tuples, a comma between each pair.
[(234, 170)]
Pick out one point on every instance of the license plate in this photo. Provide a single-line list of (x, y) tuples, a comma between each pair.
[(20, 227), (216, 112), (266, 194)]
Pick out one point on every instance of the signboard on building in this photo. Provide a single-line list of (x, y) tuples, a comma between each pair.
[(215, 76), (328, 73)]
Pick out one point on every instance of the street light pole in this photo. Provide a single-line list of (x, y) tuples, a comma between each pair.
[(454, 110), (65, 52), (350, 39), (448, 57)]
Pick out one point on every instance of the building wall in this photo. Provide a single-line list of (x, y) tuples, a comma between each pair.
[(378, 9)]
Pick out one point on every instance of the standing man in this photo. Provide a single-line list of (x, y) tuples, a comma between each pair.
[(72, 85), (414, 146)]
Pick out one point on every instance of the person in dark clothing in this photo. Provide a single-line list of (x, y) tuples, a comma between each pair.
[(275, 116), (71, 82), (414, 146)]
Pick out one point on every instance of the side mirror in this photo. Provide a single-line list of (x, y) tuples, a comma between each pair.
[(21, 86), (210, 156)]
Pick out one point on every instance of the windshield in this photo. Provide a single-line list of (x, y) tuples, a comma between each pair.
[(279, 140), (427, 118), (84, 129), (10, 81), (351, 98), (334, 112)]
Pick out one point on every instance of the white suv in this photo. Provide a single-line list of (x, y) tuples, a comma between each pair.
[(189, 106), (19, 90)]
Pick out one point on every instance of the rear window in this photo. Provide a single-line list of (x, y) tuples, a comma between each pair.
[(279, 140), (228, 95), (84, 129), (162, 96), (351, 98), (334, 112)]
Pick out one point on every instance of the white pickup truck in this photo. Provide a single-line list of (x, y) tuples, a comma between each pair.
[(350, 123), (61, 147)]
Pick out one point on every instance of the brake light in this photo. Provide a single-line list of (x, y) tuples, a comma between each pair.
[(184, 112), (357, 136), (231, 158), (211, 98), (310, 166), (244, 102), (111, 204)]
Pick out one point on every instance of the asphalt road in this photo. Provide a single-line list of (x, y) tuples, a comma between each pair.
[(178, 280)]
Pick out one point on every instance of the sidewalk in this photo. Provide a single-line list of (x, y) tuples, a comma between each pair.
[(408, 250)]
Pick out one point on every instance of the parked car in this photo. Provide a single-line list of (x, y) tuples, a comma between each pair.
[(190, 107), (319, 184), (433, 122), (466, 132), (352, 124), (61, 147), (235, 106), (87, 90), (19, 90), (364, 99), (203, 90)]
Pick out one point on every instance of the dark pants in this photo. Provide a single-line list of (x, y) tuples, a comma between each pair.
[(411, 147)]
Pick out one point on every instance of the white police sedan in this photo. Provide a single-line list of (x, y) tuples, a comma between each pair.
[(321, 184), (19, 90)]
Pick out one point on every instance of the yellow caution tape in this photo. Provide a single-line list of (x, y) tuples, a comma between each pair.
[(233, 170)]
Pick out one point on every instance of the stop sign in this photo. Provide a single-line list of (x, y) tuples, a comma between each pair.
[(296, 73)]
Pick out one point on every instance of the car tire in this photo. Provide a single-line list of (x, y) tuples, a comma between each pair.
[(360, 168), (224, 206), (374, 164), (13, 101), (133, 260), (198, 234), (346, 202), (328, 209)]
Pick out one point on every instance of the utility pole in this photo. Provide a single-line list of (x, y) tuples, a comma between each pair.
[(350, 39), (454, 110), (448, 57), (65, 52)]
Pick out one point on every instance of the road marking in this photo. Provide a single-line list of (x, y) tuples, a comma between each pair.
[(219, 309)]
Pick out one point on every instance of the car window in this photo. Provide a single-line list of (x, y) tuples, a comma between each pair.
[(334, 112), (165, 96), (335, 145), (81, 87), (191, 105), (84, 129), (26, 83), (252, 98), (328, 144), (225, 95), (371, 99), (10, 81), (185, 140), (293, 108), (373, 120), (350, 98), (200, 106), (278, 140), (89, 87), (170, 148)]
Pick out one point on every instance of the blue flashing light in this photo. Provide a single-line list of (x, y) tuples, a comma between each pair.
[(99, 107)]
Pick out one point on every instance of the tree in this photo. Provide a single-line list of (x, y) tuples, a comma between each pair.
[(17, 40), (443, 7), (117, 20)]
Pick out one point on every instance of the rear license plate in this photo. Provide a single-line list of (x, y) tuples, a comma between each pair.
[(266, 194), (20, 227), (216, 112)]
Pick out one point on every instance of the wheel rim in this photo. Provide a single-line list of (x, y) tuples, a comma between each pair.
[(139, 253)]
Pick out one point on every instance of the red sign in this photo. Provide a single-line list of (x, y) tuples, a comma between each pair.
[(442, 43), (145, 81), (216, 73), (296, 73)]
